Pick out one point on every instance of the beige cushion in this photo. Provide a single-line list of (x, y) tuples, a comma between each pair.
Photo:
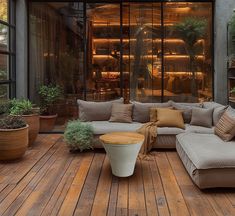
[(153, 113), (225, 128), (121, 113), (198, 129), (218, 113), (96, 111), (169, 118), (141, 111), (169, 131), (202, 117)]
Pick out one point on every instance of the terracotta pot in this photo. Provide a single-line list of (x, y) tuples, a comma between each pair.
[(47, 123), (33, 122), (13, 143)]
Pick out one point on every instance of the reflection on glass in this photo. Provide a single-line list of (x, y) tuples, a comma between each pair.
[(187, 51), (3, 67), (4, 92), (103, 46), (3, 37), (56, 53), (142, 23), (3, 10)]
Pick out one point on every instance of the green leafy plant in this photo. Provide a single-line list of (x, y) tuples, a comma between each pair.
[(12, 122), (79, 135), (190, 31), (232, 90), (5, 106), (21, 107), (49, 94)]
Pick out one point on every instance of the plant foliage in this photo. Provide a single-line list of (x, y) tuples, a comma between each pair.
[(5, 107), (21, 107), (232, 25), (49, 94), (12, 122), (79, 135)]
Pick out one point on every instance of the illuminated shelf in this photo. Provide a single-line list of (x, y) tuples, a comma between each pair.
[(166, 72)]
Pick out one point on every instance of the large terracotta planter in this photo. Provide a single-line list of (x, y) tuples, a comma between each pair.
[(47, 123), (33, 122), (13, 143)]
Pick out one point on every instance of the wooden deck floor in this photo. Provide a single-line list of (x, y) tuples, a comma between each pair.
[(52, 181)]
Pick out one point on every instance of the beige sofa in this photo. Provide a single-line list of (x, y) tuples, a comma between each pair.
[(209, 161)]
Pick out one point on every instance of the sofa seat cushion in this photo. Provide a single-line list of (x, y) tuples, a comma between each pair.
[(207, 151), (209, 161), (198, 129), (169, 130), (103, 127)]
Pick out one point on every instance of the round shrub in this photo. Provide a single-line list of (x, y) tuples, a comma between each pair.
[(79, 135)]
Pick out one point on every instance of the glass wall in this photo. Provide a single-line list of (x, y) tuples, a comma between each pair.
[(148, 51), (7, 49)]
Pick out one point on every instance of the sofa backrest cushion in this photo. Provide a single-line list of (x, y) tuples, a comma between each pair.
[(225, 128), (186, 108), (202, 117), (96, 111), (121, 113), (219, 110), (141, 111)]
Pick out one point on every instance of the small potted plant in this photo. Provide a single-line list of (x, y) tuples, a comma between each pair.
[(24, 108), (232, 92), (79, 135), (13, 137), (49, 94)]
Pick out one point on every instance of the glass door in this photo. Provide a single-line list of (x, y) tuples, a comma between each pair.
[(142, 50)]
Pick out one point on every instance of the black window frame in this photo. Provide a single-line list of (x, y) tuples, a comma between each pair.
[(11, 49)]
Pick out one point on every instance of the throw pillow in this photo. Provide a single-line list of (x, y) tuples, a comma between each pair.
[(121, 113), (202, 117), (170, 118), (153, 113), (218, 113), (225, 128), (141, 111), (96, 111)]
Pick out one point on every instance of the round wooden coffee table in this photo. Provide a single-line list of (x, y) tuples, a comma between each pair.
[(122, 149)]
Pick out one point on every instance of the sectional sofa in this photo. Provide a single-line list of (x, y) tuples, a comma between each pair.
[(208, 159)]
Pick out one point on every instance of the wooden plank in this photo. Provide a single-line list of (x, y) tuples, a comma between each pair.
[(122, 200), (74, 192), (16, 198), (195, 199), (176, 202), (39, 197), (59, 195), (158, 190), (87, 196), (136, 192), (100, 204), (113, 197), (150, 200)]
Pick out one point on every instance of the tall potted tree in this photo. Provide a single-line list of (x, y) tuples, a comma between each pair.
[(49, 94), (190, 31), (30, 115)]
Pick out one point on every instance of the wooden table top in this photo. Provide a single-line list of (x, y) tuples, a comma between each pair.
[(122, 138)]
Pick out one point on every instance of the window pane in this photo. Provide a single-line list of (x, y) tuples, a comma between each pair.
[(4, 92), (3, 37), (3, 10), (3, 67)]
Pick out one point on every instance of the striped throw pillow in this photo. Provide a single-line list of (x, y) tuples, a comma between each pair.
[(225, 128)]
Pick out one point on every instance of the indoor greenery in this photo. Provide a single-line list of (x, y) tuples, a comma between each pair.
[(12, 122), (232, 90), (190, 31), (49, 94), (79, 135), (21, 107)]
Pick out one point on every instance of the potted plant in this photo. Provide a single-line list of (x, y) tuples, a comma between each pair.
[(49, 94), (190, 31), (232, 92), (79, 135), (24, 108), (13, 137)]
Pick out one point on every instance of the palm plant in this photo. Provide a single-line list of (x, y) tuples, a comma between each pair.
[(190, 31)]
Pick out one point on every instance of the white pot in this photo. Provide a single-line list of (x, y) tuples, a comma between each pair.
[(122, 158)]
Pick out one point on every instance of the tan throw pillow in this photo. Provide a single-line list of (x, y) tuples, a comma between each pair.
[(225, 128), (202, 117), (170, 118), (153, 113), (121, 113)]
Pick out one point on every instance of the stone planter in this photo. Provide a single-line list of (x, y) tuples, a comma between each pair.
[(13, 143), (47, 123)]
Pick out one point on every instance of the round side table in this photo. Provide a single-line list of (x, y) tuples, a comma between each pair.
[(122, 149)]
